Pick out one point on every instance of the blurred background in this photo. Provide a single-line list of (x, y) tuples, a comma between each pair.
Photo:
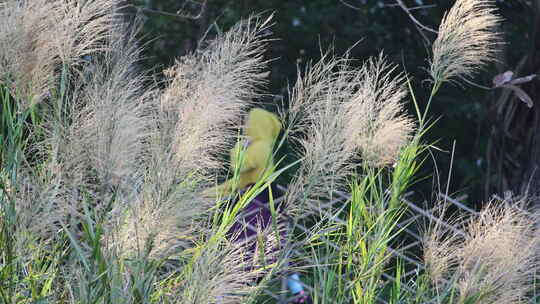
[(486, 136)]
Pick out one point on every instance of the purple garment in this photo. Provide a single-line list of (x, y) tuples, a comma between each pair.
[(257, 216)]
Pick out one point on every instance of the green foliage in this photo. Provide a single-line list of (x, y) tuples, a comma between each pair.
[(352, 255)]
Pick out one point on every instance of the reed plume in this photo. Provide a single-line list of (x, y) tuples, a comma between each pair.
[(90, 141), (40, 38), (493, 261), (377, 123), (338, 112), (224, 273), (206, 94), (467, 40), (96, 139)]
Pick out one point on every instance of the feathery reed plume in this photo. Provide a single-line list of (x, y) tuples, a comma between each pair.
[(440, 253), (102, 141), (344, 111), (467, 40), (92, 150), (159, 226), (40, 37), (112, 118), (492, 262), (207, 93), (223, 273), (38, 214), (376, 119), (316, 119)]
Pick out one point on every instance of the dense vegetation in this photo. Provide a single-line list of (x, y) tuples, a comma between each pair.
[(105, 167), (493, 131)]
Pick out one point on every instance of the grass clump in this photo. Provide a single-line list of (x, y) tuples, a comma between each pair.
[(492, 259)]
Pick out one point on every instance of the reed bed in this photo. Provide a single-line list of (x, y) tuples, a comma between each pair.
[(104, 173)]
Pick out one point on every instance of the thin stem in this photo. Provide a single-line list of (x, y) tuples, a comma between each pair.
[(418, 23), (434, 90)]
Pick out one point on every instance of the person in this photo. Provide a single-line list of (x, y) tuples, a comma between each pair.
[(252, 156), (252, 159)]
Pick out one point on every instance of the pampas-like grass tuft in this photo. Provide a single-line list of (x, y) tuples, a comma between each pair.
[(338, 112), (228, 272), (493, 262), (219, 275), (376, 121), (467, 40), (94, 139), (209, 91), (41, 37), (206, 93)]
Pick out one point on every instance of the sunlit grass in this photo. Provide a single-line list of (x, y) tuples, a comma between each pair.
[(104, 175)]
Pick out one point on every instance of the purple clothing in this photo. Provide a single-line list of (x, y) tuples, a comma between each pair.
[(257, 216)]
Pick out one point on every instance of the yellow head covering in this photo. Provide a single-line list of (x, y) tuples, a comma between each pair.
[(255, 152)]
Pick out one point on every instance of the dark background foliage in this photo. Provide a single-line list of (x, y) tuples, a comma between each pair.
[(496, 144)]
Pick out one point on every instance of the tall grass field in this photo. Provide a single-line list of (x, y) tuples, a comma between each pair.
[(107, 170)]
